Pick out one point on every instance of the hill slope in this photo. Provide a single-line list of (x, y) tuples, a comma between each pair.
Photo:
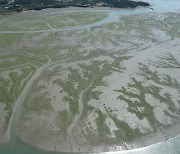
[(19, 5)]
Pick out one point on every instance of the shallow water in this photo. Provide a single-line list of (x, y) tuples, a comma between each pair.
[(167, 147), (171, 146)]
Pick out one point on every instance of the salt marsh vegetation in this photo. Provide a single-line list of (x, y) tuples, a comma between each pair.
[(98, 88)]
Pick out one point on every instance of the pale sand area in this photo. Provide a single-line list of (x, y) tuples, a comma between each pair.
[(119, 80), (116, 81)]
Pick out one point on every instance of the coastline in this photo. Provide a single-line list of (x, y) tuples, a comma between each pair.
[(139, 143)]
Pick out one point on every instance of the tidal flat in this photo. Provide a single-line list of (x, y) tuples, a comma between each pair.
[(104, 88)]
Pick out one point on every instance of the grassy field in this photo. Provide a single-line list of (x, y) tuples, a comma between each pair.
[(42, 22)]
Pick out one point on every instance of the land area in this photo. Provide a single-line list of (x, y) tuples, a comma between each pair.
[(9, 6), (104, 88)]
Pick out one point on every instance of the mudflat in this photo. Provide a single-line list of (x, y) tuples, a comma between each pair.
[(103, 88)]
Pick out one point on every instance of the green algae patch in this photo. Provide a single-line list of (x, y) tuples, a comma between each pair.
[(7, 40)]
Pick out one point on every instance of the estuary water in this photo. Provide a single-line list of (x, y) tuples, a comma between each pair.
[(171, 146)]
